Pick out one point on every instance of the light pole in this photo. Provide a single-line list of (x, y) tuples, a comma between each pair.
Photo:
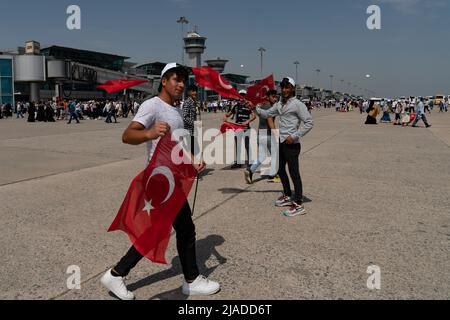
[(318, 81), (262, 50), (182, 21), (296, 71), (368, 77)]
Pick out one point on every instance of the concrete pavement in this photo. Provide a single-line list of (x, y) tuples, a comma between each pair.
[(378, 195)]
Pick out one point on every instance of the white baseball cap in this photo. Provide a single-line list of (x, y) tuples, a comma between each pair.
[(170, 66), (290, 80), (243, 92)]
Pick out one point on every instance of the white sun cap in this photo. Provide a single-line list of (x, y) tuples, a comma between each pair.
[(290, 80), (168, 67)]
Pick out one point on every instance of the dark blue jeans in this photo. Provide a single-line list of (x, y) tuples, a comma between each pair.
[(73, 115)]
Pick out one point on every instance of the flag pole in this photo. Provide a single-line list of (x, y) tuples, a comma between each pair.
[(198, 174), (195, 195), (196, 186)]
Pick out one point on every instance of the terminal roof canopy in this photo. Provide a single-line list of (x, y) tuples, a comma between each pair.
[(154, 68), (235, 78), (97, 59)]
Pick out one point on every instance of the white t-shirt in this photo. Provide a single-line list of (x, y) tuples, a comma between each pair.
[(153, 110)]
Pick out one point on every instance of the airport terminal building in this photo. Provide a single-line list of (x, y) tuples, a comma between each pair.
[(32, 74)]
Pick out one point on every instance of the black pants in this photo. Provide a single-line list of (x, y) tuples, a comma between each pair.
[(237, 150), (194, 146), (422, 117), (185, 230), (289, 154)]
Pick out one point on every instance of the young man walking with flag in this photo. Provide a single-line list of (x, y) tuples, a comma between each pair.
[(155, 119), (291, 113)]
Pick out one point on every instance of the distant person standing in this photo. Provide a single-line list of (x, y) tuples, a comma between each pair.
[(243, 116), (427, 107), (398, 110), (420, 115), (430, 103), (265, 141), (110, 112), (41, 112), (31, 112), (49, 113), (72, 111), (19, 110), (190, 115), (373, 111), (135, 107)]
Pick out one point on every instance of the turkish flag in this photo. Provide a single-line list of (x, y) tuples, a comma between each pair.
[(207, 77), (226, 126), (258, 93), (118, 85), (155, 198)]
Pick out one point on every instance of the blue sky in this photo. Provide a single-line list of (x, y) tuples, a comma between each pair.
[(409, 55)]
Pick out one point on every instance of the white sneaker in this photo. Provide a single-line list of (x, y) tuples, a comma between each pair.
[(117, 286), (200, 287)]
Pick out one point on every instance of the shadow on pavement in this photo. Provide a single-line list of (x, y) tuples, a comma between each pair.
[(236, 191), (207, 172), (206, 248)]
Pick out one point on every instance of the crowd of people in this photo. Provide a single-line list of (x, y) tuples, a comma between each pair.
[(68, 110), (406, 111)]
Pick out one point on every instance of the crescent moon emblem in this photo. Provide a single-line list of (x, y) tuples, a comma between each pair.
[(225, 86), (169, 175), (262, 92)]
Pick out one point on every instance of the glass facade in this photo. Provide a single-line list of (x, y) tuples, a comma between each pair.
[(6, 81), (96, 59)]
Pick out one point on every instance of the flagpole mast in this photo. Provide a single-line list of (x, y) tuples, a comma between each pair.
[(195, 195), (196, 185)]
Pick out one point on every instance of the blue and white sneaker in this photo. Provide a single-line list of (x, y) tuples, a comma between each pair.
[(295, 210), (283, 201)]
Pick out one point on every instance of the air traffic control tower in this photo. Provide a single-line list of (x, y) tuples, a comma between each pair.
[(195, 45), (217, 64)]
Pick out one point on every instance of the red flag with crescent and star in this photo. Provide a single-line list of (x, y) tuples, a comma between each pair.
[(118, 85), (155, 198), (258, 93), (229, 126), (209, 78)]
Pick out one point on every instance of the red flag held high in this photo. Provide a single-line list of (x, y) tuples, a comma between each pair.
[(154, 199), (258, 93), (118, 85), (207, 77)]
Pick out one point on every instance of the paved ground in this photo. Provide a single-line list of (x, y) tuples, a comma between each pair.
[(379, 195)]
